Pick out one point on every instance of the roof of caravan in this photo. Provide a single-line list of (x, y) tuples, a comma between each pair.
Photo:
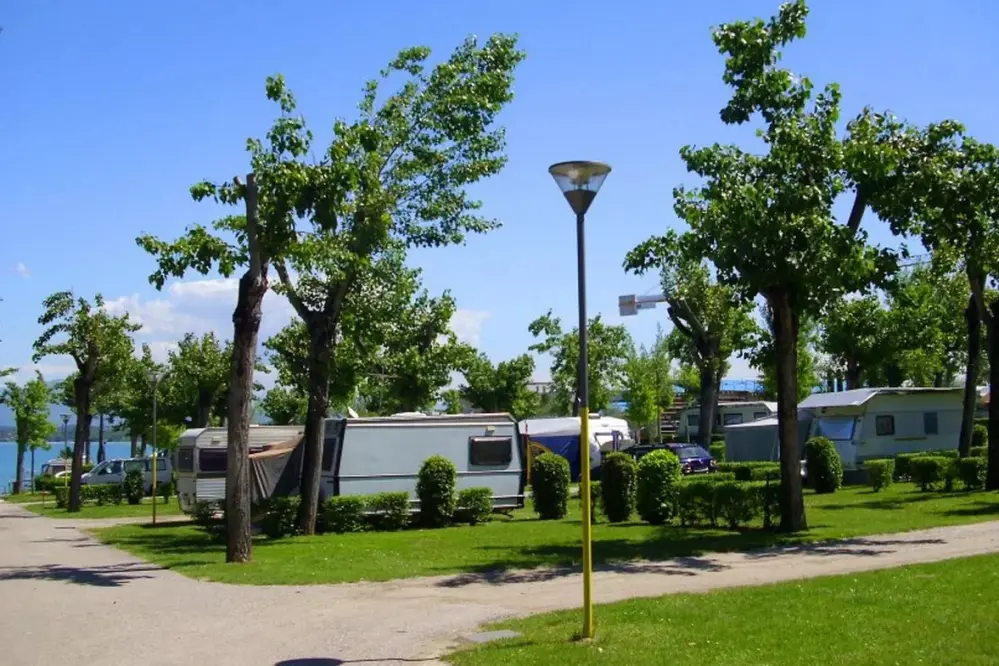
[(765, 422), (857, 397), (416, 417), (772, 406)]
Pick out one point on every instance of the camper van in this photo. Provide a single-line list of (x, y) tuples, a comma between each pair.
[(727, 414), (883, 422), (559, 435), (363, 456)]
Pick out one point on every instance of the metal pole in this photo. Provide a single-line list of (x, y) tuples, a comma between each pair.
[(156, 383), (584, 432)]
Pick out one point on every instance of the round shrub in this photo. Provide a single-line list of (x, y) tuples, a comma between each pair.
[(972, 472), (475, 505), (134, 486), (658, 486), (880, 472), (550, 486), (928, 471), (617, 486), (825, 468), (436, 491), (980, 436), (280, 520), (341, 514)]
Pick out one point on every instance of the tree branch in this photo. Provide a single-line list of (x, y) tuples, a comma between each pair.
[(290, 293), (256, 254), (857, 212)]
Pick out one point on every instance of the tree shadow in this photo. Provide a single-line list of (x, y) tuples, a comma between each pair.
[(328, 661), (889, 503), (860, 546), (17, 516), (111, 575), (977, 509)]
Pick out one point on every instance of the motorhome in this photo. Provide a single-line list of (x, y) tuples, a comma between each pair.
[(559, 435), (364, 456), (727, 414), (883, 422), (55, 466)]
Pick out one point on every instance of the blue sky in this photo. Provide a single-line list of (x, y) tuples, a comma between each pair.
[(111, 110)]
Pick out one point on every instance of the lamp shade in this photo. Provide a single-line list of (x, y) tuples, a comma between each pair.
[(579, 181)]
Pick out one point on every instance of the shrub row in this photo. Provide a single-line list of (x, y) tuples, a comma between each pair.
[(706, 501), (979, 452), (751, 471), (903, 461), (717, 451), (980, 436)]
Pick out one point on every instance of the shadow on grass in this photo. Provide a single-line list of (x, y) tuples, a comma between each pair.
[(889, 503), (112, 575), (977, 509), (327, 661)]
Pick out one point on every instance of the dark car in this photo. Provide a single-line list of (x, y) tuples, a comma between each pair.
[(693, 458)]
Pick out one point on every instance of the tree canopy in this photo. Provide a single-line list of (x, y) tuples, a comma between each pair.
[(30, 405), (502, 387)]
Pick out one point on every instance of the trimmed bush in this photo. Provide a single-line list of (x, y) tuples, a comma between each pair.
[(341, 514), (717, 477), (751, 471), (105, 493), (972, 471), (48, 484), (738, 502), (980, 437), (717, 451), (978, 452), (435, 489), (618, 486), (389, 511), (697, 503), (658, 486), (880, 472), (594, 499), (210, 517), (825, 468), (165, 489), (768, 502), (903, 461), (134, 486), (550, 486), (281, 517), (61, 497), (475, 505), (928, 471)]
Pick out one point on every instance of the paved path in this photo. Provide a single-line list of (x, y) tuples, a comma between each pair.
[(65, 597)]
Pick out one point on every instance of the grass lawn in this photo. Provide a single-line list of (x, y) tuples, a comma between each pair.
[(524, 542), (123, 510), (21, 498), (942, 613)]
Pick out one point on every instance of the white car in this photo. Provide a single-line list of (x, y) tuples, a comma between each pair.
[(114, 471)]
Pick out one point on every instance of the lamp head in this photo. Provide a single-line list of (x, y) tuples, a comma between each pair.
[(579, 181)]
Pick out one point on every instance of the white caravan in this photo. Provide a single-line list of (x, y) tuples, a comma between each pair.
[(883, 422), (727, 414), (609, 431)]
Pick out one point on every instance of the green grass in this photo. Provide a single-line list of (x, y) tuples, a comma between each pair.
[(21, 498), (522, 542), (123, 510), (942, 613)]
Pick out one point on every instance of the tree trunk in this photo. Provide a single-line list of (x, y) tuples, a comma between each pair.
[(321, 346), (852, 373), (708, 405), (786, 342), (974, 322), (86, 449), (246, 325), (992, 332), (82, 399), (19, 476), (101, 453), (134, 451), (142, 444), (205, 400)]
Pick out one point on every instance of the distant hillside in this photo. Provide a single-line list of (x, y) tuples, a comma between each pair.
[(56, 411)]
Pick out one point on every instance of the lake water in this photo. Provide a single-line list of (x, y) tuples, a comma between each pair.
[(8, 458)]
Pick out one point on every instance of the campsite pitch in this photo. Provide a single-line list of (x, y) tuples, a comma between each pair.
[(524, 542)]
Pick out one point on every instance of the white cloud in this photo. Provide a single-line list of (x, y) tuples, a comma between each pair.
[(58, 367), (21, 269), (467, 325)]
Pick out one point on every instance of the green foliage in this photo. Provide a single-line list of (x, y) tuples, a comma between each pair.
[(825, 468), (389, 511), (978, 452), (648, 385), (280, 517), (706, 500), (210, 517), (550, 486), (102, 494), (30, 406), (763, 356), (855, 335), (657, 486), (697, 502), (134, 486), (972, 471), (198, 380), (595, 494), (341, 514), (618, 478), (165, 489), (880, 472), (436, 488), (61, 494), (980, 437), (903, 461), (452, 401), (608, 349), (751, 471), (737, 502), (928, 471), (717, 451), (475, 505), (500, 388)]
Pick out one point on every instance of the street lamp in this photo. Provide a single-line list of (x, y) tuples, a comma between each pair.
[(580, 181), (155, 376), (65, 445)]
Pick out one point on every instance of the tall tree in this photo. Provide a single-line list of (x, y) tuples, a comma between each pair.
[(99, 344), (199, 379), (711, 317), (131, 401), (766, 220), (30, 405), (608, 351), (271, 196), (501, 387)]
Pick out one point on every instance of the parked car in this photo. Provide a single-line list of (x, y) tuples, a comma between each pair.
[(693, 458), (114, 471)]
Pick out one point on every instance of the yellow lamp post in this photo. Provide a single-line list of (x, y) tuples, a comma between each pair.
[(580, 181), (155, 377)]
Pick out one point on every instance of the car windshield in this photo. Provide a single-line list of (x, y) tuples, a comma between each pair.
[(99, 468), (691, 452)]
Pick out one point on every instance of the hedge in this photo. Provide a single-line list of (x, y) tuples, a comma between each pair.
[(281, 516), (717, 451), (979, 452), (825, 468), (135, 486), (972, 471), (928, 471), (880, 472), (657, 489), (210, 517), (903, 460), (980, 436), (595, 492), (388, 511), (474, 506), (752, 471), (618, 481), (435, 489), (550, 486), (341, 514), (736, 503)]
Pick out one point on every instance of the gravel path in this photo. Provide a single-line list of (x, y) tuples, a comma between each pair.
[(66, 599)]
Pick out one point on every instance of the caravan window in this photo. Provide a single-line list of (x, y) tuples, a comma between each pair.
[(760, 415), (490, 451), (692, 420), (884, 425), (836, 428), (185, 460), (930, 425), (212, 460), (733, 418)]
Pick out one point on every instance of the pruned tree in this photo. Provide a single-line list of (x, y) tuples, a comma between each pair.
[(854, 333), (199, 372), (99, 344), (501, 387), (712, 319), (30, 405), (608, 348)]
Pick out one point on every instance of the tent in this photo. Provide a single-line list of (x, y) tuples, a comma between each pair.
[(759, 440), (558, 435), (276, 469)]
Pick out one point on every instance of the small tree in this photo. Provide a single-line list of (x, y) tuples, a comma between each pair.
[(30, 405)]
